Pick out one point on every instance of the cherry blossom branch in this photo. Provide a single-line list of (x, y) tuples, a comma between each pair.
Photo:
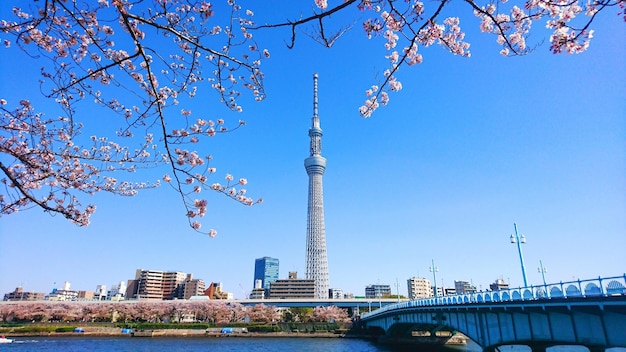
[(317, 16), (83, 55)]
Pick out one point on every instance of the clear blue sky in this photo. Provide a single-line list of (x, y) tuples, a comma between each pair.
[(467, 148)]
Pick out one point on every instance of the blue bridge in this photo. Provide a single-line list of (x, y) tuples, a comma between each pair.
[(590, 313)]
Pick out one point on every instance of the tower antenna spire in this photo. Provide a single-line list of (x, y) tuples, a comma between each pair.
[(315, 117)]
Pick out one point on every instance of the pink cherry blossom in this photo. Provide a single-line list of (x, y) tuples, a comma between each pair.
[(84, 57), (82, 62), (322, 4)]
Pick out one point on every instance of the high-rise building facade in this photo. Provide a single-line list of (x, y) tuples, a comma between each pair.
[(266, 270), (193, 287), (419, 287), (315, 164), (153, 284)]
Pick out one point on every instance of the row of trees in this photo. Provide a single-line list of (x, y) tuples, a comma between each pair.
[(212, 312)]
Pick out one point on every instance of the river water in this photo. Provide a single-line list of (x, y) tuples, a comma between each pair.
[(234, 344), (229, 344)]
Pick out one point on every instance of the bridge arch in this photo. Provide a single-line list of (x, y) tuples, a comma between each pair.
[(556, 292), (573, 291), (592, 290), (615, 288), (528, 294)]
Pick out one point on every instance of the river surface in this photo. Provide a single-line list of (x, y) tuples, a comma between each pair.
[(265, 344)]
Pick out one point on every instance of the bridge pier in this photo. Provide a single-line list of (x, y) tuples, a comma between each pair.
[(543, 347), (596, 348), (533, 348)]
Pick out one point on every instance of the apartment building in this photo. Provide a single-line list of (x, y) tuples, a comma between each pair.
[(20, 295), (160, 285), (193, 287), (463, 287), (419, 287)]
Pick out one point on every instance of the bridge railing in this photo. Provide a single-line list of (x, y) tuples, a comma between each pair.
[(607, 286)]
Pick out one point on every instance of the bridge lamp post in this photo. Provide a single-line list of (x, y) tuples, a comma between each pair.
[(543, 272), (433, 269), (519, 240)]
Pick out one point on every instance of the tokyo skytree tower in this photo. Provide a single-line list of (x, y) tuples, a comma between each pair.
[(316, 258)]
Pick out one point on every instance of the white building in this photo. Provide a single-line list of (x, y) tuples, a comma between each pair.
[(463, 287), (117, 292), (101, 293), (64, 294), (419, 287), (335, 293)]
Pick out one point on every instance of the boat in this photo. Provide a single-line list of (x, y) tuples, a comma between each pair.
[(5, 340)]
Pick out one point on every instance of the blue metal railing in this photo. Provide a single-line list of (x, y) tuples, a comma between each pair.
[(607, 286)]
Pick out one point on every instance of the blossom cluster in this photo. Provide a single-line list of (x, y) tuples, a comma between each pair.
[(513, 28), (510, 21), (43, 166), (209, 311), (195, 172), (102, 52), (330, 313), (396, 25)]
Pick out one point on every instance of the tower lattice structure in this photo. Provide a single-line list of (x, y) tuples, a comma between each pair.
[(315, 164)]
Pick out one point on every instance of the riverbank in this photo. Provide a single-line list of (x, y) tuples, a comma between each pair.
[(118, 332), (96, 332)]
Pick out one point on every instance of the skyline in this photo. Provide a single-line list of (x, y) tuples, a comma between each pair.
[(466, 149)]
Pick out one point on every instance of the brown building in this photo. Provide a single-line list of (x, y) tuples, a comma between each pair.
[(215, 291), (153, 284), (20, 295), (193, 287), (292, 288), (86, 295)]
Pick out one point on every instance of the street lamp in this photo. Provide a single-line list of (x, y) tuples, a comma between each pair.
[(543, 272), (433, 269), (519, 240)]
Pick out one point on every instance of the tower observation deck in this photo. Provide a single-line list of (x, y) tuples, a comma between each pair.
[(315, 164)]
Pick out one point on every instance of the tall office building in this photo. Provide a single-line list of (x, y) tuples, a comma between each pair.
[(315, 164), (266, 270)]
